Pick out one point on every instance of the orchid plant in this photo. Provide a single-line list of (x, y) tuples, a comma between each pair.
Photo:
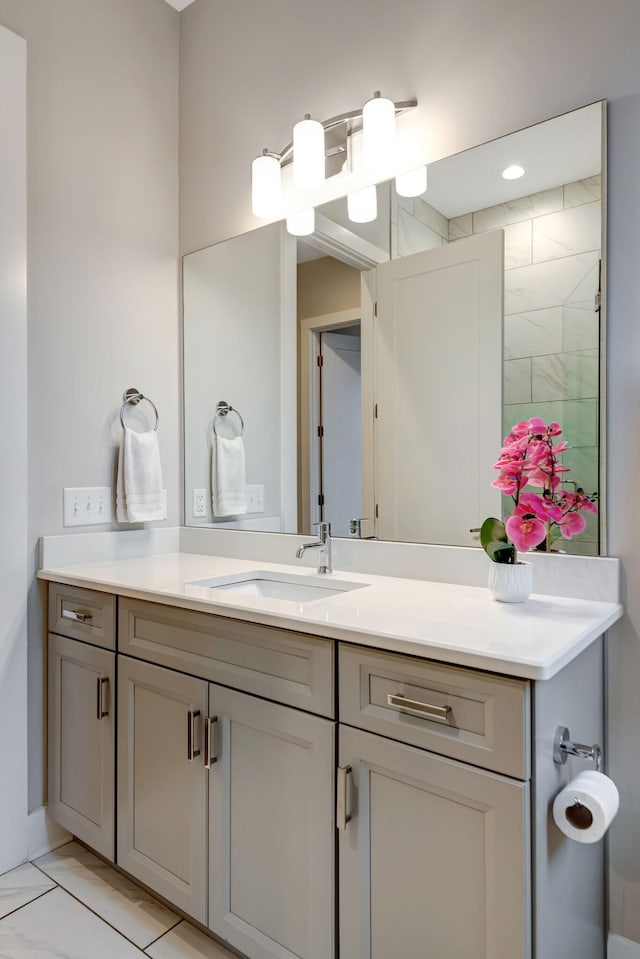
[(529, 457)]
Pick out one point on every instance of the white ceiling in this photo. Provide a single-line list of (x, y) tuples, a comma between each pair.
[(552, 153), (179, 4)]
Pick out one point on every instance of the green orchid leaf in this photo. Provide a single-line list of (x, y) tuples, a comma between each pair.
[(492, 531)]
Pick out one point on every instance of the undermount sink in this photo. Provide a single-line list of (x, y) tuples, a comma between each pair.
[(283, 586)]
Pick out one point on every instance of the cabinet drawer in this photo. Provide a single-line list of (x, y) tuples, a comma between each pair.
[(83, 614), (472, 716), (281, 665)]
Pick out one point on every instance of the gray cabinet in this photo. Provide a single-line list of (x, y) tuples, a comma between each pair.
[(271, 828), (81, 741), (227, 798), (433, 861), (162, 782)]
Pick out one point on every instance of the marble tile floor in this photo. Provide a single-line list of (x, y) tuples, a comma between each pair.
[(70, 904)]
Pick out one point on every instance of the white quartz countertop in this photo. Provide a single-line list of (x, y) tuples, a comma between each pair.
[(448, 623)]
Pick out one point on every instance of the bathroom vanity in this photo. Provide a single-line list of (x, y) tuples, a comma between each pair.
[(367, 775)]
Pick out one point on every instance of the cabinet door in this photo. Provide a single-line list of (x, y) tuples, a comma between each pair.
[(81, 752), (162, 792), (271, 828), (434, 861)]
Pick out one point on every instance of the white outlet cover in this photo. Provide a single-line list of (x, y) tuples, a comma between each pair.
[(199, 507), (255, 499)]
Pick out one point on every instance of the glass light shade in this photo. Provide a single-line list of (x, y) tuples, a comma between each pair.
[(302, 224), (413, 183), (266, 188), (378, 132), (362, 205), (308, 154)]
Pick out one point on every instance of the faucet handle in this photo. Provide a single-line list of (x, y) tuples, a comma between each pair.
[(323, 527), (355, 526)]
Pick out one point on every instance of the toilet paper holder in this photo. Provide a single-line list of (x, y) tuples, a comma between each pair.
[(564, 746)]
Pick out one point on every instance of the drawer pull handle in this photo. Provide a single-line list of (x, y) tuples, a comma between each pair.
[(77, 615), (426, 710), (342, 816), (192, 752), (101, 682), (209, 724)]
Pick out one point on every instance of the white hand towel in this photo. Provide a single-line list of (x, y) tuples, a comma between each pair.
[(228, 477), (140, 497)]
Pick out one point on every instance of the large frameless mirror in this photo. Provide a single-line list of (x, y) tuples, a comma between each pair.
[(366, 374)]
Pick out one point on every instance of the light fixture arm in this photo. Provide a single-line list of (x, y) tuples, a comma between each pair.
[(286, 155)]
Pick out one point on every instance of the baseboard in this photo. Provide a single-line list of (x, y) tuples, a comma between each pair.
[(620, 948), (44, 834)]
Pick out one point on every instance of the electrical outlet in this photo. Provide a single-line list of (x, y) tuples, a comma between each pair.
[(255, 499), (86, 505), (199, 502)]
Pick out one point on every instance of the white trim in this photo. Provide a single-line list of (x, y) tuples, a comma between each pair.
[(619, 948), (288, 388), (335, 240), (14, 560), (44, 835)]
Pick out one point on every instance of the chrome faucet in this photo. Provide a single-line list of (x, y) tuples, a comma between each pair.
[(324, 545)]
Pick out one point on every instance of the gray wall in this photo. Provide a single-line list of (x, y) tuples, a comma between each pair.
[(102, 256), (249, 70)]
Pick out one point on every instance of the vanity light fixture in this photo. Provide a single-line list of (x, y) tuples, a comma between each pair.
[(318, 151), (266, 187), (378, 132), (362, 205), (413, 183), (302, 224), (513, 172), (308, 154)]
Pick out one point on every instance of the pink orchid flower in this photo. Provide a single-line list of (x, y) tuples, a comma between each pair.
[(541, 506), (509, 483), (584, 502), (537, 426), (572, 525), (525, 530), (540, 478), (529, 458)]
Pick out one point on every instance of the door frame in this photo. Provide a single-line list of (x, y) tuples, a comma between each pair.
[(309, 344)]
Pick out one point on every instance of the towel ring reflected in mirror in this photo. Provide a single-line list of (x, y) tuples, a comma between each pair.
[(132, 397), (223, 409)]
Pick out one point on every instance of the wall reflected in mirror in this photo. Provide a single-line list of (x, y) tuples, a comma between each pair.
[(377, 366)]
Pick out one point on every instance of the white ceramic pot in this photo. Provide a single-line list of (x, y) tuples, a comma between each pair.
[(510, 582)]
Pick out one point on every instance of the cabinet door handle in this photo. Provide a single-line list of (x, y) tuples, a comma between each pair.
[(426, 710), (342, 816), (209, 733), (101, 682), (192, 752), (77, 615)]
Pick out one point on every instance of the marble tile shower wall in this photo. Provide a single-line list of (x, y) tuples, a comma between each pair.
[(415, 226), (551, 326)]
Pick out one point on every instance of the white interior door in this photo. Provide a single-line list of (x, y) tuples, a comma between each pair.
[(438, 390), (342, 430)]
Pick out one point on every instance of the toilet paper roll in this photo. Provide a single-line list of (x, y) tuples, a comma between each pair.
[(586, 807)]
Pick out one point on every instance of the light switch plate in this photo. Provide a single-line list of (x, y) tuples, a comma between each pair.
[(255, 499), (87, 505)]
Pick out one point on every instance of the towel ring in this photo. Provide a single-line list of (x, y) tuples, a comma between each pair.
[(223, 409), (132, 397)]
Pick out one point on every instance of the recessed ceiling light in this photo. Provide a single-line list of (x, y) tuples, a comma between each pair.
[(513, 172)]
